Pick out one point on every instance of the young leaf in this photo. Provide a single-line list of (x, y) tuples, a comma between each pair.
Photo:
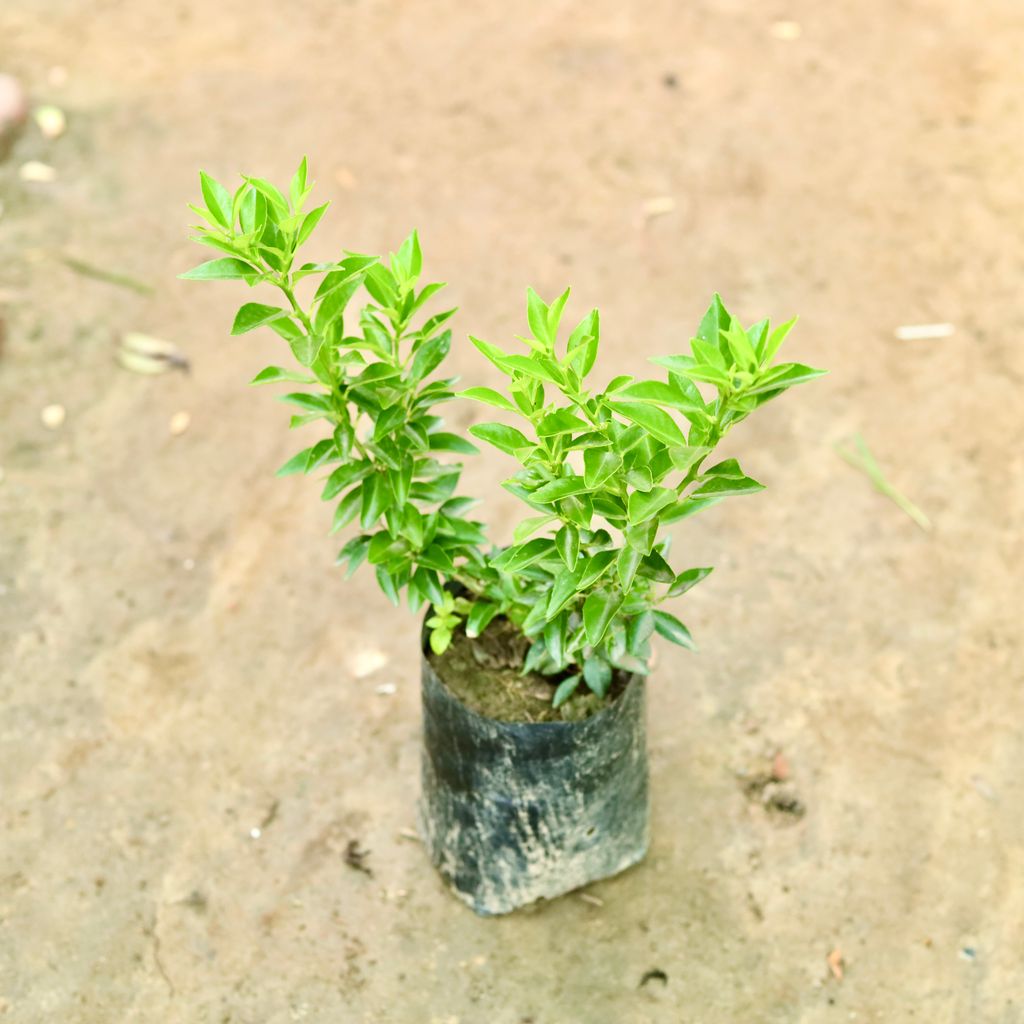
[(672, 629), (566, 688), (217, 199), (724, 487), (627, 563), (598, 610), (685, 580), (567, 541), (274, 374), (490, 396), (644, 506), (560, 488), (506, 439), (480, 616), (654, 420), (225, 269), (598, 465), (775, 339), (598, 675), (537, 315), (561, 421), (255, 314)]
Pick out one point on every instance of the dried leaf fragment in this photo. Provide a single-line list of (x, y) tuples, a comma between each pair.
[(142, 353), (835, 963), (37, 171)]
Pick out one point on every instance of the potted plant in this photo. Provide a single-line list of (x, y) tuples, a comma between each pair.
[(535, 652)]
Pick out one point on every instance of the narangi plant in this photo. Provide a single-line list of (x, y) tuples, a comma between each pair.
[(602, 471), (511, 811)]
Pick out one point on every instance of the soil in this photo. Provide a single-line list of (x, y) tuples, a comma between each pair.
[(178, 658), (486, 674)]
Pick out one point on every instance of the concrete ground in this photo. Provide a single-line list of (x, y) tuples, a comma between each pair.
[(182, 666)]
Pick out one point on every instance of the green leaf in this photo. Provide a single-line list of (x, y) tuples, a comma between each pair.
[(530, 526), (217, 199), (296, 464), (566, 688), (775, 339), (598, 675), (387, 584), (445, 442), (654, 567), (490, 396), (255, 314), (377, 498), (347, 508), (506, 439), (429, 356), (480, 616), (560, 488), (225, 269), (672, 629), (598, 611), (644, 506), (626, 564), (685, 580), (535, 366), (271, 194), (598, 465), (594, 568), (276, 374), (655, 421), (298, 182), (638, 632), (537, 315), (740, 346), (714, 321), (492, 353), (641, 536), (555, 314), (343, 477), (686, 508), (520, 556), (561, 421), (640, 478), (581, 349), (306, 349), (660, 393), (309, 222), (785, 375), (724, 487), (567, 543), (307, 400)]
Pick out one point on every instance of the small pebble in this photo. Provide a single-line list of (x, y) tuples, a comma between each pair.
[(658, 206), (255, 833), (345, 178), (387, 689), (365, 663), (179, 423), (787, 31), (51, 121), (188, 564), (968, 953), (53, 416), (37, 171)]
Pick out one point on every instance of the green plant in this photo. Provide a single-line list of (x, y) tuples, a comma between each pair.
[(603, 472)]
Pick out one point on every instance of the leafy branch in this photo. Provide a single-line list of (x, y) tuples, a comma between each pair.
[(604, 473)]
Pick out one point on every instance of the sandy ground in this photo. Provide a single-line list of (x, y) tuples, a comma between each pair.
[(180, 663)]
